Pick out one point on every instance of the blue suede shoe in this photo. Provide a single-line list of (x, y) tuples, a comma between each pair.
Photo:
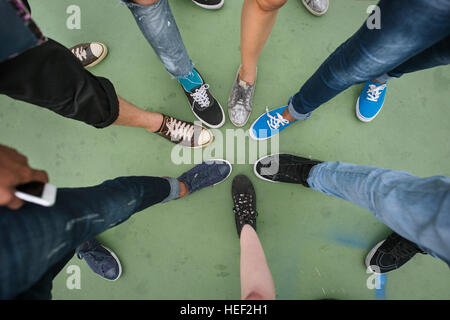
[(100, 259), (370, 101), (208, 173), (269, 124)]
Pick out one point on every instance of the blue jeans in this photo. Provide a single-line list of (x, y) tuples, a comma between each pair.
[(36, 242), (160, 29), (416, 208), (414, 35)]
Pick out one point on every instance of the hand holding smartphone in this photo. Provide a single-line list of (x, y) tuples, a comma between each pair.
[(37, 192)]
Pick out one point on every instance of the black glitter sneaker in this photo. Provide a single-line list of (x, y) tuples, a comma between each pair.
[(283, 167), (391, 254), (244, 199), (204, 106), (209, 4)]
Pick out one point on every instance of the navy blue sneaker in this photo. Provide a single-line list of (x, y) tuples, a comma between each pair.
[(208, 173), (370, 101), (100, 259), (269, 124)]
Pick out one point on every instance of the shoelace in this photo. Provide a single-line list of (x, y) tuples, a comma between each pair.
[(243, 95), (178, 129), (80, 53), (243, 207), (201, 96), (374, 92), (275, 122)]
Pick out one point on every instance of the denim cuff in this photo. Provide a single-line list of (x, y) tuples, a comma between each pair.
[(130, 4), (383, 78), (174, 190), (295, 114), (313, 171)]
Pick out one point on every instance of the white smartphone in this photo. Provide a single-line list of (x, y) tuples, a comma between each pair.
[(40, 193)]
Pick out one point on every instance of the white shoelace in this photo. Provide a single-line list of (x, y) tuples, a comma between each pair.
[(374, 92), (80, 53), (275, 122), (178, 129), (201, 97)]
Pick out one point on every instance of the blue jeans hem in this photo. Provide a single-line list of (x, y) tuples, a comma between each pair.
[(295, 114), (174, 190)]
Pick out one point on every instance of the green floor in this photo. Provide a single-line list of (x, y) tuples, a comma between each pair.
[(188, 249)]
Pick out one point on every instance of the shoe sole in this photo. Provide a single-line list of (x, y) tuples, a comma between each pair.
[(210, 7), (361, 117), (250, 131), (118, 262), (228, 105), (318, 14), (227, 162), (102, 56), (256, 172), (370, 256)]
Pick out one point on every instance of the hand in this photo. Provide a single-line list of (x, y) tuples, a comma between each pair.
[(14, 170)]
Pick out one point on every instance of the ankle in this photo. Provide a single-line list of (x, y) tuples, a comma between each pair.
[(287, 115), (378, 81), (156, 122), (183, 190), (247, 76)]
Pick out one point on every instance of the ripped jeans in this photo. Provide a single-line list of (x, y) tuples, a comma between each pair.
[(160, 29), (36, 242)]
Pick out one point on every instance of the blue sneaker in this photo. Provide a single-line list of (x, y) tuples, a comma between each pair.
[(208, 173), (269, 124), (100, 259), (370, 101)]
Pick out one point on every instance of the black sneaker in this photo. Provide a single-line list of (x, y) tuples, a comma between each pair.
[(244, 199), (204, 106), (90, 53), (391, 254), (283, 167), (209, 4)]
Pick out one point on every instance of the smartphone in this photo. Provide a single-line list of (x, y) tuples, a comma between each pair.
[(40, 193)]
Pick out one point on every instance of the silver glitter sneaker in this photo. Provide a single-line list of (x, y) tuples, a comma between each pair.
[(240, 101), (316, 7)]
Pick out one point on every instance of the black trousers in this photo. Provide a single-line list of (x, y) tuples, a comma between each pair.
[(50, 76)]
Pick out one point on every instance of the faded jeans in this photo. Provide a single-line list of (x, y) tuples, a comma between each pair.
[(416, 208), (414, 35), (36, 242), (160, 29)]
